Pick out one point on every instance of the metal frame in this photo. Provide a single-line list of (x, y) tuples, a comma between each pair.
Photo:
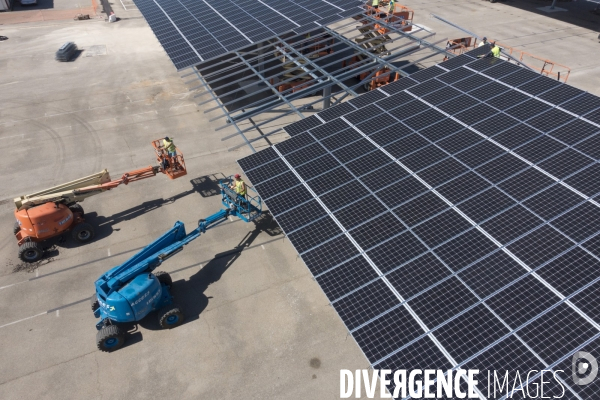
[(299, 49)]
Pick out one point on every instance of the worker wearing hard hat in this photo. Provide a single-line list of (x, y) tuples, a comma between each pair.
[(169, 146), (375, 3), (238, 185), (483, 42)]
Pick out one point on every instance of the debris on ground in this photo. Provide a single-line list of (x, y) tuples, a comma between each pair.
[(31, 267)]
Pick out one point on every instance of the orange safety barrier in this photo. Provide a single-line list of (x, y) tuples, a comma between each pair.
[(543, 66), (460, 45), (546, 67), (401, 18)]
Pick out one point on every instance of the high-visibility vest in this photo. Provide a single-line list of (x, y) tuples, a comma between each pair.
[(375, 3), (496, 51), (169, 146), (240, 187), (392, 6)]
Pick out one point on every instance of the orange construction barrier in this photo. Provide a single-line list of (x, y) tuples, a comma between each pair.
[(546, 67)]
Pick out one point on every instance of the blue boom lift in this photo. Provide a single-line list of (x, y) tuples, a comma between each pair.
[(130, 291)]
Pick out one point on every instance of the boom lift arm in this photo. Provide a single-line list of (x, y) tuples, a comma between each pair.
[(80, 189), (128, 280), (163, 248)]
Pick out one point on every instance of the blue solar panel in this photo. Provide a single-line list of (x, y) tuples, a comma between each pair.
[(193, 31), (461, 227)]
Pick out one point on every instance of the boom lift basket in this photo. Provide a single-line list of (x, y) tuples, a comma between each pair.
[(173, 167)]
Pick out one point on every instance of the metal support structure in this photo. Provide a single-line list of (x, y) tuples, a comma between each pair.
[(326, 97), (315, 56)]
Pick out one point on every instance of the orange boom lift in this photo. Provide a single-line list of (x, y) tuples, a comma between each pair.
[(51, 212)]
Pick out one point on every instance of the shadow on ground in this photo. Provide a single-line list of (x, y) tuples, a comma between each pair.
[(190, 294), (585, 14), (205, 186)]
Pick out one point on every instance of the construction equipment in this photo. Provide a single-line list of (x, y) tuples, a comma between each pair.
[(130, 291), (400, 18), (51, 212), (374, 39), (297, 75), (460, 45)]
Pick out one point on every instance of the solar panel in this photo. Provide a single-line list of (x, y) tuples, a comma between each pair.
[(193, 31), (457, 224)]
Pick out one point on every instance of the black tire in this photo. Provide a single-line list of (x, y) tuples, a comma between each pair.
[(170, 317), (76, 208), (83, 232), (16, 227), (164, 278), (110, 338), (30, 252), (94, 302)]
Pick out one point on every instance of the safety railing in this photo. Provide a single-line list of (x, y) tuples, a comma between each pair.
[(546, 67)]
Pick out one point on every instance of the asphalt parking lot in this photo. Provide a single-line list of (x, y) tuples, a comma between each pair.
[(257, 325)]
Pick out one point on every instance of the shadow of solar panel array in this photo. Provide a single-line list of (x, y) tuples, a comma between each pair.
[(451, 217), (192, 31)]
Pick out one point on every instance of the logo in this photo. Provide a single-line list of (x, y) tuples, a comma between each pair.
[(64, 221), (585, 368)]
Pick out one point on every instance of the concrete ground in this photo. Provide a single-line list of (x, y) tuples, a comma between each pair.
[(569, 38), (258, 326)]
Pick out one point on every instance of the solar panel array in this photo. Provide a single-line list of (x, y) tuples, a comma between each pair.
[(451, 218), (192, 31)]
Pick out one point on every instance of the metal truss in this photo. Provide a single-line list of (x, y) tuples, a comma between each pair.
[(315, 60)]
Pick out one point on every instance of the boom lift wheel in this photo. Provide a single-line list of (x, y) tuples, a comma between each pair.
[(16, 228), (169, 317), (110, 338), (94, 302), (76, 208), (164, 278), (30, 252), (83, 232)]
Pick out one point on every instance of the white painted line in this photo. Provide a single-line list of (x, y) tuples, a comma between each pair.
[(263, 246), (57, 313), (14, 284), (37, 272), (24, 319), (123, 5), (8, 137), (9, 83), (108, 250)]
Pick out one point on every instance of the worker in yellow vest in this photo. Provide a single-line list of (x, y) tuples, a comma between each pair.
[(495, 50), (238, 185), (375, 3), (392, 7), (169, 146)]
